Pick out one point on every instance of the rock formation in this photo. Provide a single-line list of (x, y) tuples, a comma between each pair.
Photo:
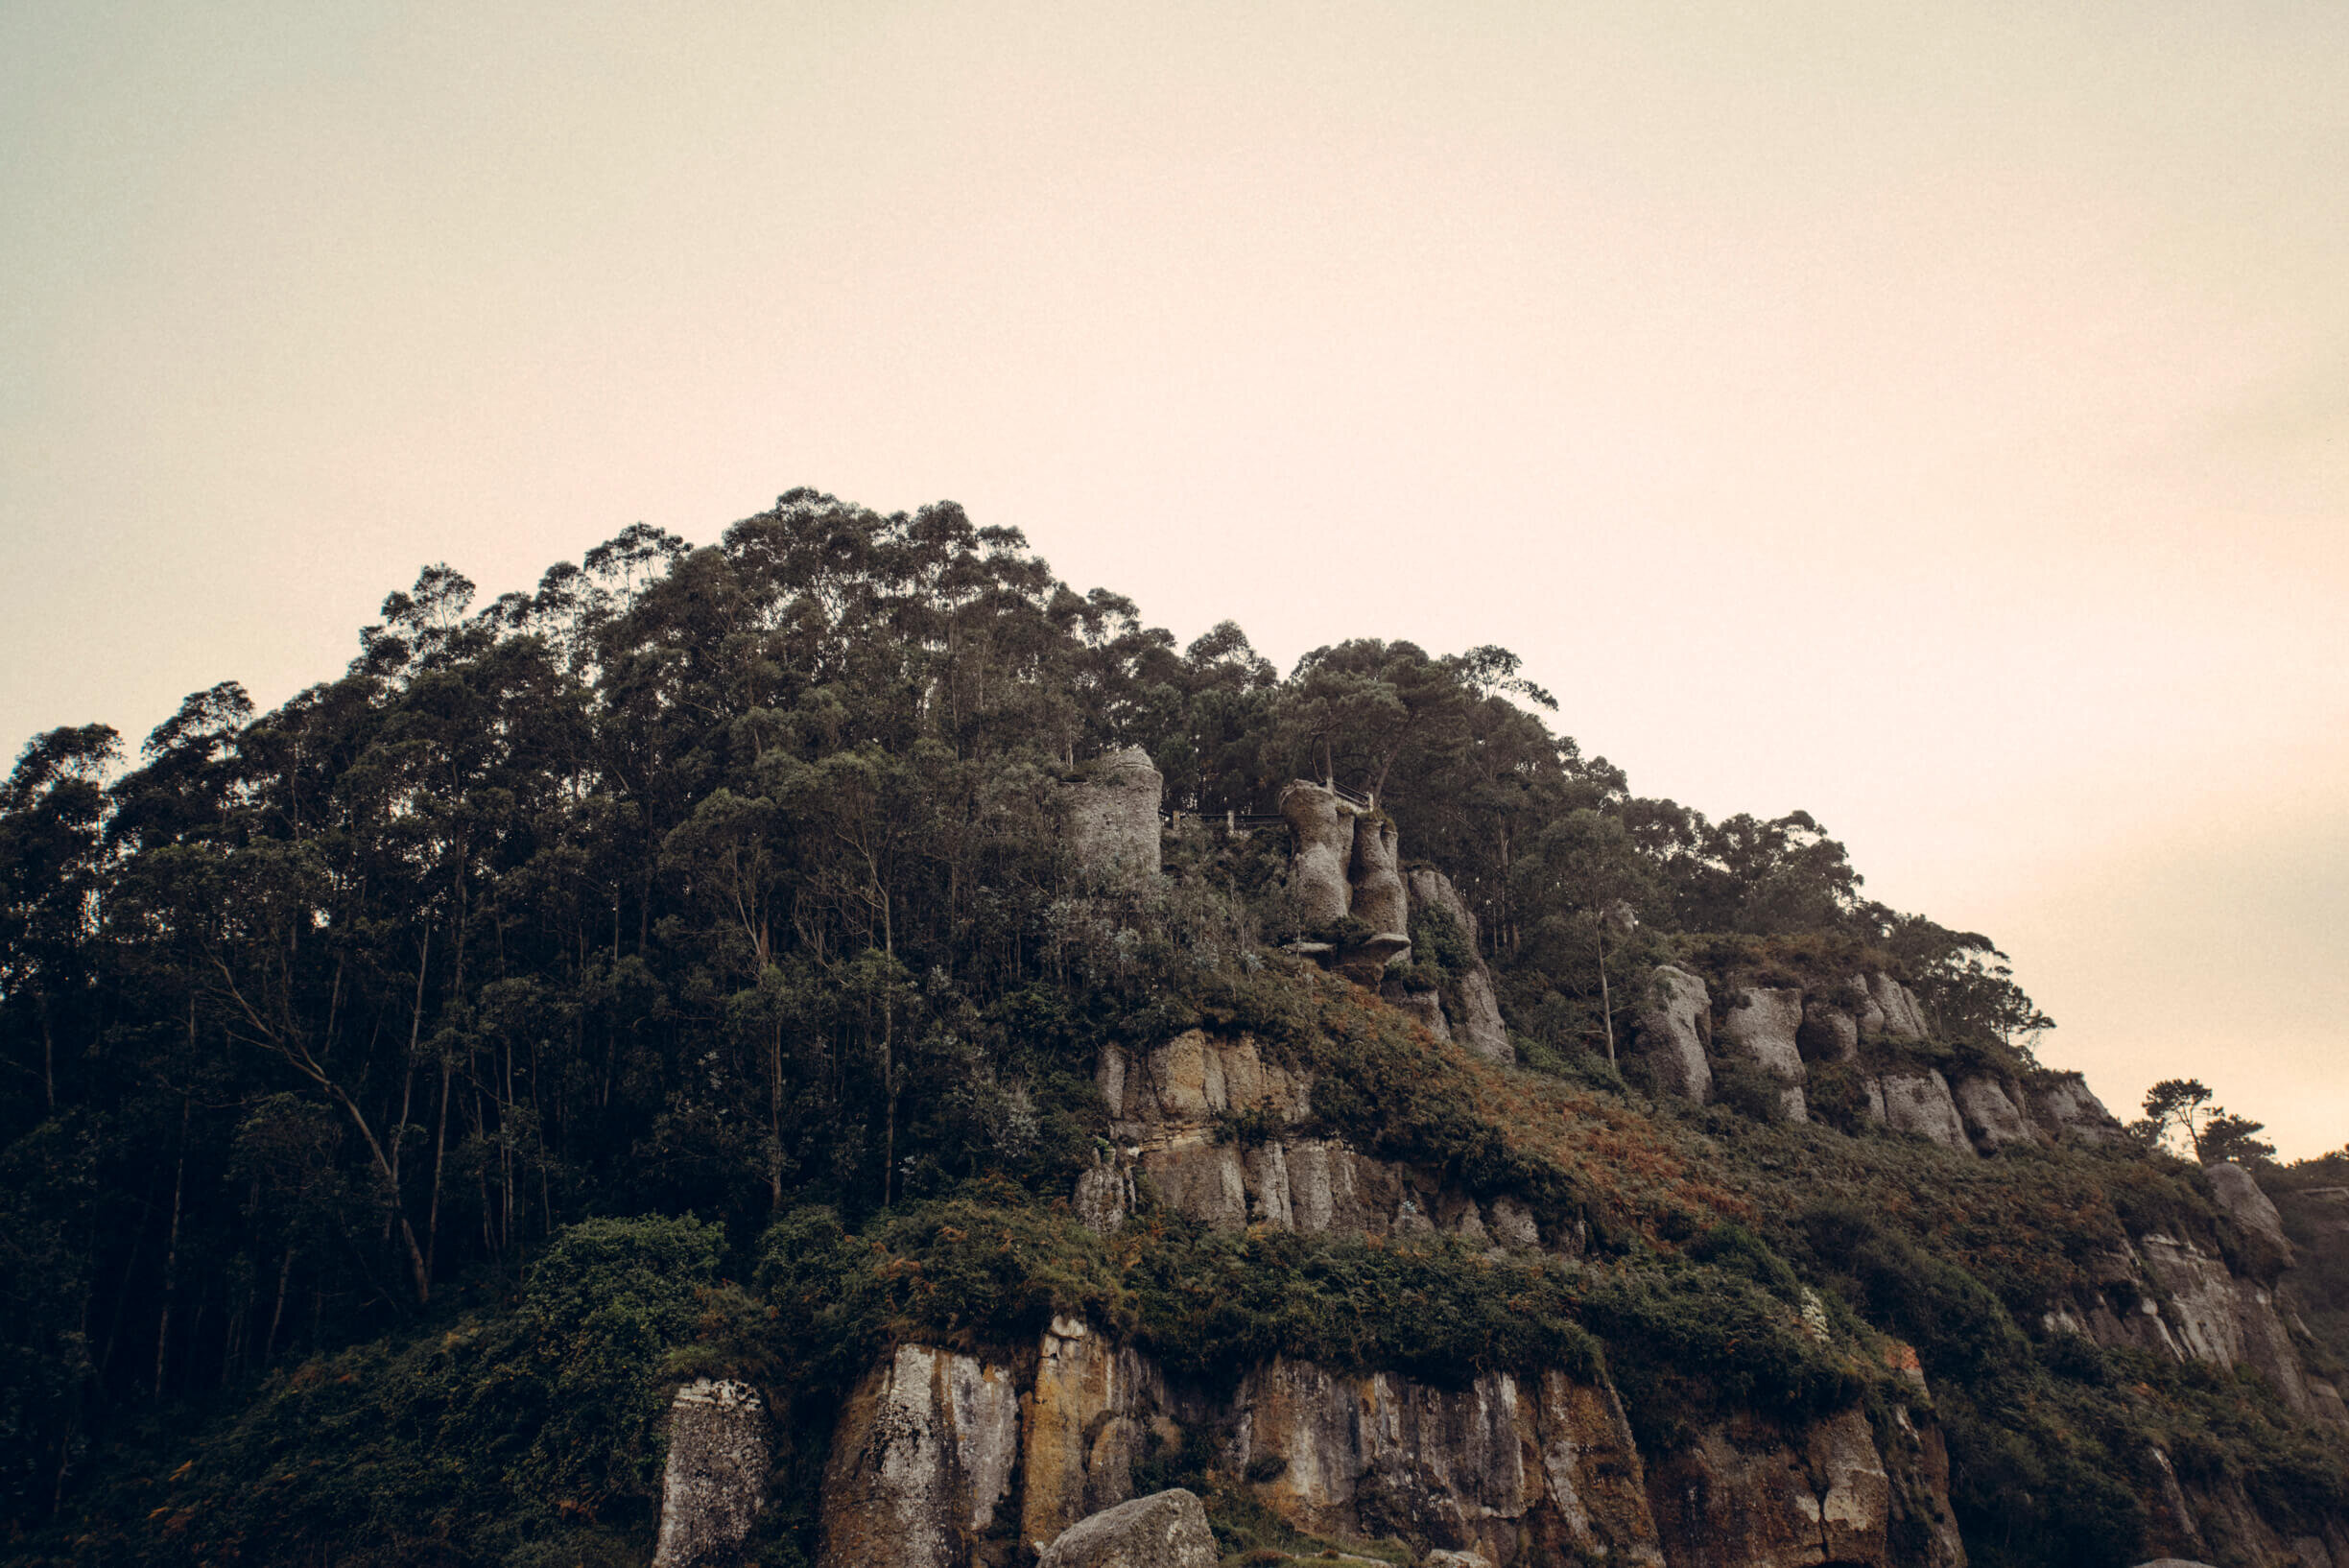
[(921, 1458), (1166, 1529), (1761, 1025), (716, 1478), (1112, 819), (1170, 1113), (2066, 1107), (1516, 1472), (1829, 1032), (1479, 1025), (1989, 1113), (2241, 1200), (1892, 1010), (1321, 857), (1674, 1017), (1919, 1101)]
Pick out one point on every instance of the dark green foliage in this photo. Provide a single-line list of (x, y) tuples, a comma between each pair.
[(495, 1433)]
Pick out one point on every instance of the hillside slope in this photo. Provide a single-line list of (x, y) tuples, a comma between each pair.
[(834, 1048)]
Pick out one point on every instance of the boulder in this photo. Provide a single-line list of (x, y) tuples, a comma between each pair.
[(1322, 851), (1112, 819), (1989, 1114), (1759, 1025), (2239, 1196), (1165, 1530), (2065, 1106), (1479, 1025), (1920, 1102), (716, 1478), (1378, 899), (922, 1455), (1675, 1014)]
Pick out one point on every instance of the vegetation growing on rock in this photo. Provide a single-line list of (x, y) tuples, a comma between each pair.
[(684, 970)]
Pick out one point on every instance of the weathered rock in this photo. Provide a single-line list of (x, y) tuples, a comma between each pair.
[(715, 1479), (1104, 1195), (1166, 1529), (1112, 821), (2239, 1197), (1473, 1469), (1989, 1114), (922, 1455), (1190, 1080), (1760, 1024), (1479, 1027), (2067, 1108), (1674, 1016), (1378, 901), (1455, 1560), (1322, 852), (1199, 1177), (1596, 1484), (1087, 1419), (1920, 1102), (1896, 1005), (1828, 1033), (1747, 1496)]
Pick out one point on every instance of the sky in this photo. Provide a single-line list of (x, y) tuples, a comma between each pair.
[(1934, 417)]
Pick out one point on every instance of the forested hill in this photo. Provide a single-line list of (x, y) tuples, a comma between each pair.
[(571, 951)]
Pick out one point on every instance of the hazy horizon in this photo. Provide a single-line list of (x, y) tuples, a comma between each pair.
[(1931, 420)]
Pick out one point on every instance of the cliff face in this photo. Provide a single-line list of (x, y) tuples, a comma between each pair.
[(1518, 1471)]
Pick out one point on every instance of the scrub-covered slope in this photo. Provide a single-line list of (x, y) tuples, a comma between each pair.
[(835, 1048)]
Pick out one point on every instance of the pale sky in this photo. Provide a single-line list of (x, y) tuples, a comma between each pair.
[(1933, 417)]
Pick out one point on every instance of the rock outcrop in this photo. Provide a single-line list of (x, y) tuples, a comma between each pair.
[(1761, 1024), (1171, 1112), (921, 1458), (1920, 1102), (1378, 898), (1674, 1017), (2065, 1107), (2241, 1200), (1166, 1529), (1892, 1011), (1479, 1025), (716, 1478), (1322, 856), (1112, 819), (1747, 1495), (1829, 1032), (1989, 1113)]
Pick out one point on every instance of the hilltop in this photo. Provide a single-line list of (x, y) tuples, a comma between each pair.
[(834, 1047)]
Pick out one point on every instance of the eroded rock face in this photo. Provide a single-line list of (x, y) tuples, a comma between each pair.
[(1088, 1418), (1989, 1113), (2239, 1197), (1378, 901), (921, 1458), (1479, 1027), (1920, 1102), (1760, 1024), (1746, 1495), (1493, 1468), (1166, 1529), (2067, 1108), (715, 1479), (1424, 1007), (1674, 1016), (1894, 1009), (1112, 821), (1322, 858)]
